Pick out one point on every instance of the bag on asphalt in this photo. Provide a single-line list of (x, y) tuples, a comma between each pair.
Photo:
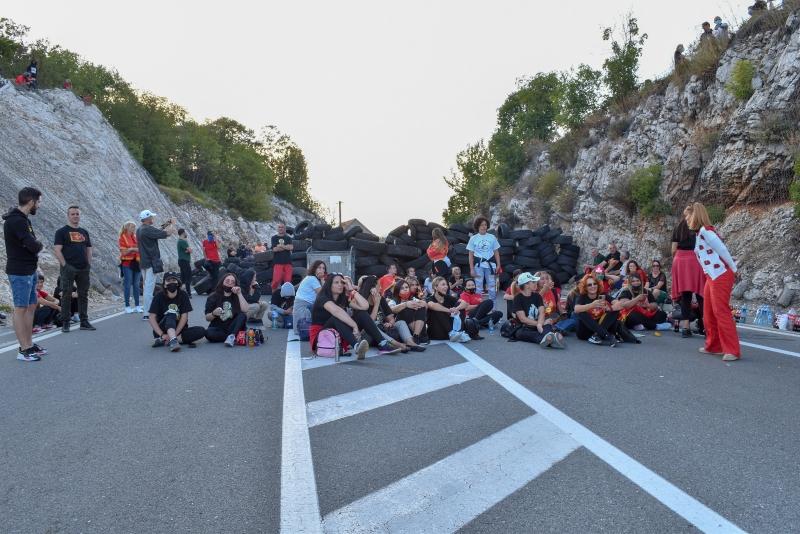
[(303, 327), (509, 329), (329, 343)]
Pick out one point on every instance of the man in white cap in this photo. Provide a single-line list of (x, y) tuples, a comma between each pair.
[(147, 237)]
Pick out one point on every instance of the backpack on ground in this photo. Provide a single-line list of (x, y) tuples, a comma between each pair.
[(329, 343), (471, 328), (509, 329), (303, 328)]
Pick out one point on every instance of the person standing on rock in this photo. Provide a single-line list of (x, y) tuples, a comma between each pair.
[(73, 250), (211, 252), (185, 261), (720, 271), (22, 258), (282, 248), (148, 236)]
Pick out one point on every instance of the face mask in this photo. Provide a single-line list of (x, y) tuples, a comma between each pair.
[(470, 290), (172, 288), (405, 294)]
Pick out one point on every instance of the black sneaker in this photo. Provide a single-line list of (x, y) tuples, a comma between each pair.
[(27, 355), (424, 339), (65, 327), (40, 351), (416, 348), (86, 325), (594, 340), (158, 342), (685, 332)]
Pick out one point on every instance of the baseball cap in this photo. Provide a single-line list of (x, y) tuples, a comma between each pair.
[(146, 214), (172, 275), (524, 278), (287, 290)]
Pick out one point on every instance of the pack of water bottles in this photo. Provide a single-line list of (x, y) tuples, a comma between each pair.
[(764, 316)]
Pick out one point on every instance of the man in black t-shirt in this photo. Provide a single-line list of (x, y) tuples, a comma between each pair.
[(282, 257), (528, 310), (169, 316), (73, 249)]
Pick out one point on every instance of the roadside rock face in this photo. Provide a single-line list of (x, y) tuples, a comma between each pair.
[(736, 155), (52, 141)]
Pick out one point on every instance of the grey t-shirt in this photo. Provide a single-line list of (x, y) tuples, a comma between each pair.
[(147, 237)]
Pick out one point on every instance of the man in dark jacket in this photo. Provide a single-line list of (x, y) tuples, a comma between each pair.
[(22, 250)]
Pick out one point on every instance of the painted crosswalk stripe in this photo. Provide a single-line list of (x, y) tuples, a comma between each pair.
[(445, 496), (355, 402), (671, 496), (299, 501)]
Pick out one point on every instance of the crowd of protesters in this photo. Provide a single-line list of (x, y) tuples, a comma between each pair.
[(614, 298)]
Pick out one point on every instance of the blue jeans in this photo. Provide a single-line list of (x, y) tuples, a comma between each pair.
[(568, 325), (482, 271), (23, 289), (130, 280)]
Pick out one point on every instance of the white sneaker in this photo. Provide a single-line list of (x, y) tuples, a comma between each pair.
[(361, 349), (128, 309), (465, 338), (230, 341), (664, 326), (640, 327), (139, 309), (455, 337)]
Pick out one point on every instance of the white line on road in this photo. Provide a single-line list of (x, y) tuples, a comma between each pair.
[(36, 339), (299, 501), (768, 331), (355, 402), (445, 496), (771, 349), (667, 493)]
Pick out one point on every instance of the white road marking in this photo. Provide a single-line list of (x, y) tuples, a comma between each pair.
[(771, 349), (299, 501), (355, 402), (664, 491), (36, 339), (768, 331), (445, 496)]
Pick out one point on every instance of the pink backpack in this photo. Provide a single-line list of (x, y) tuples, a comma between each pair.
[(329, 343)]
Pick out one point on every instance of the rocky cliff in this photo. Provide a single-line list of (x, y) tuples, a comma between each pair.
[(712, 148), (53, 141)]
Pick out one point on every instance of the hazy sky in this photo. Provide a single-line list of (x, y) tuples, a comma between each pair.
[(380, 96)]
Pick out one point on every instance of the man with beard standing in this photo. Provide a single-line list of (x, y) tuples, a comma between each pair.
[(22, 250), (73, 250)]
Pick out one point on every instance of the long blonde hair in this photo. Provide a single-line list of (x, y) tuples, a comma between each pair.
[(697, 216), (125, 225)]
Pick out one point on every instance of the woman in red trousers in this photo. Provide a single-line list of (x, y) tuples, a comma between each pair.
[(720, 270)]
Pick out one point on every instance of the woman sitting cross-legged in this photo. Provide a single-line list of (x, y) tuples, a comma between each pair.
[(410, 310), (226, 311), (528, 310), (598, 314), (394, 331), (444, 313), (478, 308), (645, 315), (330, 311)]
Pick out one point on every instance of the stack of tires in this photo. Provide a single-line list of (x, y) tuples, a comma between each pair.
[(545, 248)]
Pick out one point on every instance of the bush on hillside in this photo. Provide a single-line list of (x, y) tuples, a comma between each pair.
[(645, 189), (564, 151), (564, 201), (548, 184), (740, 84), (767, 21), (716, 213)]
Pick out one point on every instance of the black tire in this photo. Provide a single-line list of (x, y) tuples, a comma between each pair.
[(400, 230), (549, 259), (505, 242), (503, 230), (461, 228), (433, 225), (510, 268), (457, 236), (423, 245), (290, 230), (531, 242), (575, 248), (566, 260), (322, 228), (542, 230), (460, 248), (552, 234), (402, 251), (373, 270), (372, 247), (417, 222), (461, 259), (545, 249), (418, 263), (423, 235), (299, 255), (299, 263), (506, 259), (264, 277), (263, 257), (521, 235), (352, 231), (571, 270), (406, 240), (366, 237), (529, 252), (525, 262), (302, 227), (366, 261), (336, 234), (203, 286), (301, 244), (570, 253), (506, 251), (230, 260), (328, 245), (563, 278), (387, 260), (563, 239)]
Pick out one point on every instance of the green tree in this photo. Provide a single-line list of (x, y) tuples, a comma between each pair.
[(580, 95), (531, 110), (621, 69), (466, 182)]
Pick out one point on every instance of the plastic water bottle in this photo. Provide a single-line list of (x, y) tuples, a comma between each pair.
[(274, 315), (491, 327), (770, 318), (743, 318)]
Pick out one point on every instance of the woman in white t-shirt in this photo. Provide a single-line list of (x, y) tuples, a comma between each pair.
[(484, 258), (307, 292)]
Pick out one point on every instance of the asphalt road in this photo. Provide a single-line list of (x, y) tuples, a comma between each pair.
[(109, 435)]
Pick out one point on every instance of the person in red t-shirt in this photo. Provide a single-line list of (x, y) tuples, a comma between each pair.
[(48, 307), (478, 308), (387, 281), (211, 253)]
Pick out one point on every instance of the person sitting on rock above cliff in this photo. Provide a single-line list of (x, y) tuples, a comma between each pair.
[(169, 316), (678, 59), (708, 34), (758, 7)]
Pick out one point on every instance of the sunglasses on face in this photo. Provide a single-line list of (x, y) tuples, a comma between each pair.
[(591, 285)]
